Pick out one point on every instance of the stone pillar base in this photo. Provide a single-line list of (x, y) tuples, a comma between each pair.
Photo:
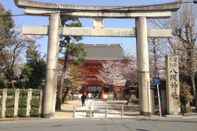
[(146, 113), (51, 115)]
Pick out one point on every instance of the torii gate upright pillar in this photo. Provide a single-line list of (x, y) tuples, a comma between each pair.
[(51, 80), (143, 66)]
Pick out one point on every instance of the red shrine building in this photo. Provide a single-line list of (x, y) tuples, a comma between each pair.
[(92, 67)]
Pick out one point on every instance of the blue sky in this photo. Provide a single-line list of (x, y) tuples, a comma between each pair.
[(128, 44)]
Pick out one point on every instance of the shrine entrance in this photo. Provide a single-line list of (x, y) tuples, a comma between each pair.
[(97, 13)]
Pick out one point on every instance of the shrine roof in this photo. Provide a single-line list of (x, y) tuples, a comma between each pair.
[(103, 52)]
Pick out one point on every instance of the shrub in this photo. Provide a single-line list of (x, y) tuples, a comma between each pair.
[(22, 103), (35, 103), (10, 103)]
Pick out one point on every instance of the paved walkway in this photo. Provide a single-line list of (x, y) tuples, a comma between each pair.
[(100, 108), (67, 110), (82, 112), (97, 125)]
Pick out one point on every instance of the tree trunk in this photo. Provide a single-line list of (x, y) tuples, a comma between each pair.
[(61, 84), (59, 95), (193, 84), (194, 89), (65, 94)]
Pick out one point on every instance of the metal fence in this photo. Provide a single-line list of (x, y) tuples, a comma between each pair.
[(110, 109)]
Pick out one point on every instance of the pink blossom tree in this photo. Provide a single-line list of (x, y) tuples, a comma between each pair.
[(117, 73)]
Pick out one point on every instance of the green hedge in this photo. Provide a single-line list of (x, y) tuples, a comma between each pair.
[(35, 103), (22, 103), (10, 104)]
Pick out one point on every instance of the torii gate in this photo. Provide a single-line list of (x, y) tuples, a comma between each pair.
[(98, 13)]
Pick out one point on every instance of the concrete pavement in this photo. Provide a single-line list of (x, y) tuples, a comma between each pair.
[(98, 125)]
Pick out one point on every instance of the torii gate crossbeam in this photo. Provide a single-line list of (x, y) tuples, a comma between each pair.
[(101, 32)]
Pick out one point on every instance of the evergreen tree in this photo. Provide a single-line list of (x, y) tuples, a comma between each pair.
[(34, 71), (6, 24), (70, 48)]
